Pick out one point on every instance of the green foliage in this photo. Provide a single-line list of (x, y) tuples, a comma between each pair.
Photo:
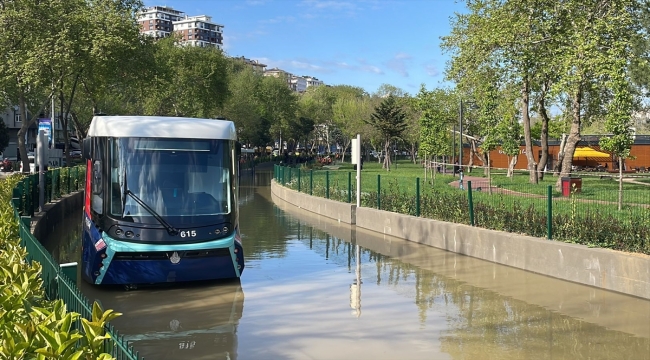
[(390, 120), (437, 116), (32, 326)]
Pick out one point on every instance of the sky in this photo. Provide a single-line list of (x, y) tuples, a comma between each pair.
[(364, 43)]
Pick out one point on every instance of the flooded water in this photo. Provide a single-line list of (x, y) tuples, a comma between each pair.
[(316, 289)]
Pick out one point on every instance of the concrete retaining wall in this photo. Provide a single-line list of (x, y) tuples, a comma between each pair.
[(55, 213), (341, 212), (602, 268)]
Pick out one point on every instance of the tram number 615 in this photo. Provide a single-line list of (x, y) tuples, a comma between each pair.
[(188, 233)]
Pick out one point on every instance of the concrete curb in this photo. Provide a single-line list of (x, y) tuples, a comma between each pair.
[(602, 268)]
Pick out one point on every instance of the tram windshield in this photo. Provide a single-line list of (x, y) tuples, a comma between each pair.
[(182, 179)]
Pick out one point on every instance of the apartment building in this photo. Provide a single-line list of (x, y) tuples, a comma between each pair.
[(298, 84), (312, 81), (199, 31), (162, 21), (294, 82), (158, 21), (275, 72), (255, 64)]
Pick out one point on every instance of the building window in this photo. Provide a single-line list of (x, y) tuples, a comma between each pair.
[(17, 118)]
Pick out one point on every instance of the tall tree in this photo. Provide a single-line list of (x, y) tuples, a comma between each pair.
[(34, 56), (244, 107), (437, 113), (389, 119), (349, 112), (191, 81), (279, 105), (504, 35), (598, 39)]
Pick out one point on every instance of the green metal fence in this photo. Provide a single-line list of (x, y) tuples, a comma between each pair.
[(588, 215), (56, 280)]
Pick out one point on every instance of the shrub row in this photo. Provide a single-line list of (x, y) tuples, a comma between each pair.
[(504, 212), (631, 234), (32, 326)]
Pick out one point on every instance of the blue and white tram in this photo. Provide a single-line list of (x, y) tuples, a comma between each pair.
[(161, 200)]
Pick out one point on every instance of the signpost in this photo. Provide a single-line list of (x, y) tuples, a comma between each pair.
[(46, 126), (356, 159)]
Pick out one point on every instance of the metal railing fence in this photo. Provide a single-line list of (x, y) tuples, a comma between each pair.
[(586, 215), (57, 283)]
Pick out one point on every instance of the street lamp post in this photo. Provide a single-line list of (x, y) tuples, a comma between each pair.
[(460, 121)]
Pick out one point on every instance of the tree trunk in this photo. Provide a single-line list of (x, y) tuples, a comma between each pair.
[(472, 153), (489, 174), (22, 144), (525, 112), (345, 149), (511, 166), (572, 139), (413, 149), (386, 155), (620, 183), (543, 160)]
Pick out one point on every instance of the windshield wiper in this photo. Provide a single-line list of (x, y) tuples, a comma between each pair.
[(170, 229)]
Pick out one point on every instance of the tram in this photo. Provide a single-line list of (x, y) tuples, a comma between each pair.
[(161, 201)]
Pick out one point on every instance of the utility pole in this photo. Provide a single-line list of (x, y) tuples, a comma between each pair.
[(460, 120)]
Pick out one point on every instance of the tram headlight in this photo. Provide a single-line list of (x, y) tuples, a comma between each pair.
[(225, 229), (119, 232), (217, 231), (129, 234)]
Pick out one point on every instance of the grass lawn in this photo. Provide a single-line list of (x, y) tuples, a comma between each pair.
[(597, 195)]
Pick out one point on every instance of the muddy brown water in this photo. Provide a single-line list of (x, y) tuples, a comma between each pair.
[(316, 289)]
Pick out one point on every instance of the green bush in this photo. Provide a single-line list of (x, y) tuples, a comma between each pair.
[(32, 326)]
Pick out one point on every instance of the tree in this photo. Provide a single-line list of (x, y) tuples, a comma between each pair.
[(349, 113), (619, 123), (436, 116), (244, 107), (598, 42), (278, 104), (389, 119), (191, 81), (110, 57), (34, 56), (502, 36)]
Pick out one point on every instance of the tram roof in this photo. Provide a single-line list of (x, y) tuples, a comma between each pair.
[(162, 127)]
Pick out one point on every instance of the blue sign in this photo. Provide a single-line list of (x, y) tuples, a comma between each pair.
[(46, 125)]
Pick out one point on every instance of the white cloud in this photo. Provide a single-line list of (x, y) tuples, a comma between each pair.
[(431, 70), (279, 19), (256, 2), (399, 63), (329, 5)]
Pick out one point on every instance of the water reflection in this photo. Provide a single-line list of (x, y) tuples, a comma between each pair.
[(316, 289), (191, 321), (490, 311)]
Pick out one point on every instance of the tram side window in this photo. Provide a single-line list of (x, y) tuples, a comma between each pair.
[(97, 187)]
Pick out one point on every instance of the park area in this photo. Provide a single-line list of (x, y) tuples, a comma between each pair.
[(589, 216)]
